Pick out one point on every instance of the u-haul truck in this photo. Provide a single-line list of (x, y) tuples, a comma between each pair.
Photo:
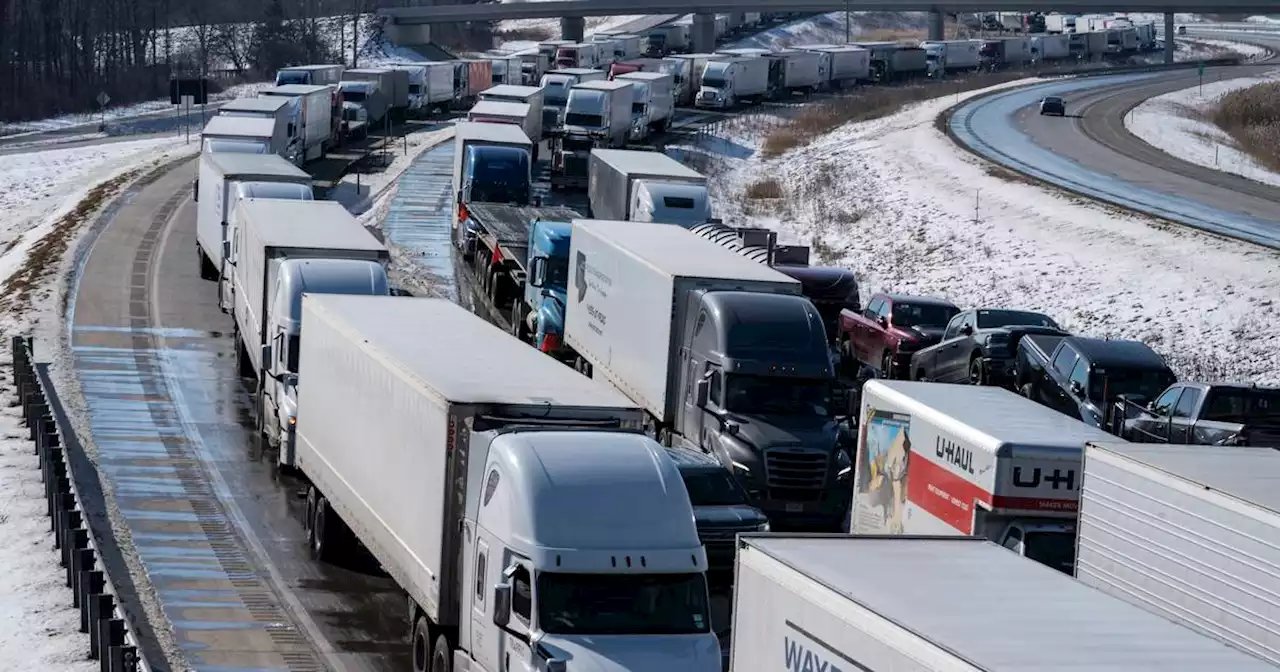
[(965, 460)]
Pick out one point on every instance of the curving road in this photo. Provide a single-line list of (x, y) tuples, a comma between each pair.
[(1091, 152)]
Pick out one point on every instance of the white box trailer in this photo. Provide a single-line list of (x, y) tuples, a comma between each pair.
[(243, 136), (848, 65), (221, 175), (729, 80), (952, 55), (632, 282), (285, 112), (528, 95), (1191, 533), (954, 604), (394, 84), (1050, 47), (653, 98), (270, 230), (316, 103), (430, 86), (800, 70), (626, 185), (468, 464), (310, 75), (507, 70), (503, 112), (949, 459)]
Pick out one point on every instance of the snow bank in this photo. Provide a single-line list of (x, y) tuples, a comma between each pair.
[(830, 28), (39, 630), (363, 194), (1172, 124), (551, 26), (1249, 51), (898, 202)]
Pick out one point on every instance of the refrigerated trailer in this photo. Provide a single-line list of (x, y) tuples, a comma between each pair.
[(1191, 533), (509, 497), (646, 187), (319, 130), (950, 459), (941, 604)]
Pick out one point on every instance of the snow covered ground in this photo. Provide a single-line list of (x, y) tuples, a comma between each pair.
[(16, 130), (898, 202), (1249, 51), (830, 28), (552, 26), (1173, 123)]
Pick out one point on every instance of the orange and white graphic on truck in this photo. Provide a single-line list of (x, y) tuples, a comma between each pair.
[(884, 461)]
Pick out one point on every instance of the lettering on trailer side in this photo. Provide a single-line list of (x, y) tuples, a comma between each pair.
[(1064, 479), (954, 453), (806, 653)]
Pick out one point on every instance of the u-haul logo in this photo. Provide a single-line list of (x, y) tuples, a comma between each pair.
[(954, 453)]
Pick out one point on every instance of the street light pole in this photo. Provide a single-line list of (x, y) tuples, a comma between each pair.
[(847, 24)]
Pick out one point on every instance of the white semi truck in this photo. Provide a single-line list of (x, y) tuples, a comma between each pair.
[(952, 55), (646, 187), (531, 527), (319, 130), (653, 102), (842, 65), (225, 179), (941, 604), (285, 112), (520, 115), (430, 86), (1191, 533), (600, 110), (660, 313), (243, 136), (280, 251), (730, 80), (956, 459)]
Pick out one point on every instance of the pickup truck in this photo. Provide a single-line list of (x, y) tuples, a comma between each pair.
[(1083, 377), (892, 327), (1204, 414), (979, 347)]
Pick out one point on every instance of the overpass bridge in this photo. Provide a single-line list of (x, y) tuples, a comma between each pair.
[(572, 12)]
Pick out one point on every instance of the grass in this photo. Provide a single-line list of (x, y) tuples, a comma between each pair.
[(1252, 118), (766, 188), (866, 104)]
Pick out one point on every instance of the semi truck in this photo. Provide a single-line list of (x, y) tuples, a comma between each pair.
[(243, 136), (485, 469), (665, 40), (940, 604), (1059, 23), (891, 61), (282, 250), (506, 70), (937, 459), (580, 55), (952, 55), (801, 71), (1050, 47), (842, 65), (364, 106), (310, 75), (492, 163), (600, 110), (503, 112), (695, 64), (636, 186), (430, 86), (224, 178), (555, 86), (662, 315), (730, 80), (527, 95), (1191, 533), (319, 131), (285, 112), (392, 82), (653, 101), (684, 79)]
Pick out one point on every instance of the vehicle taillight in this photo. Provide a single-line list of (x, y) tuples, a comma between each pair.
[(550, 343), (463, 215)]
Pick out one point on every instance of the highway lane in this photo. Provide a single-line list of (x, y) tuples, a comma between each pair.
[(1091, 152)]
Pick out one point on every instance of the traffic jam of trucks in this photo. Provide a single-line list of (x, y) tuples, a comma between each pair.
[(644, 410)]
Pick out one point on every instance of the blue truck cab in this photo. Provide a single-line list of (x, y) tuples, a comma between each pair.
[(544, 293)]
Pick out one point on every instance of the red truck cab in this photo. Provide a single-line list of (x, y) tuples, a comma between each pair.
[(889, 330)]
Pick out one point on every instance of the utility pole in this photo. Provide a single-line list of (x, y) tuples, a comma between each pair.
[(848, 25)]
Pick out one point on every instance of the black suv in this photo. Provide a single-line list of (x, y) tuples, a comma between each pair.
[(720, 508)]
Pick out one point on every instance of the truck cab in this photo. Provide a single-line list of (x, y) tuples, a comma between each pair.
[(491, 173), (545, 291), (239, 135), (1084, 377), (716, 89), (1207, 414), (890, 330), (1048, 542)]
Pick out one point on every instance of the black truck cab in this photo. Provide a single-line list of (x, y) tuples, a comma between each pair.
[(1083, 377)]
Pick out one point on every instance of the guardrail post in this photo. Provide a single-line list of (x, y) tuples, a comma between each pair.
[(110, 633), (101, 607), (51, 440), (82, 559), (52, 466), (92, 582), (38, 410), (59, 485), (124, 658), (66, 504)]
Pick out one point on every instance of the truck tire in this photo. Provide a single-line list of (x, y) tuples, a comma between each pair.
[(244, 367), (886, 365), (977, 376), (421, 645), (323, 528), (442, 655), (517, 322)]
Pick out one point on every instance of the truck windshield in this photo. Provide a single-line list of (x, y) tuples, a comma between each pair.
[(922, 314), (622, 604), (353, 95), (1226, 404), (295, 344), (1146, 383), (557, 272), (498, 175), (579, 119), (415, 89), (713, 487), (713, 80), (1055, 549), (292, 77), (993, 319), (214, 146), (773, 395)]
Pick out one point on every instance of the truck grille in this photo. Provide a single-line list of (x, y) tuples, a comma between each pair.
[(574, 165), (798, 476)]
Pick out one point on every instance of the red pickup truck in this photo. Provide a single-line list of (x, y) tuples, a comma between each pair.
[(891, 328)]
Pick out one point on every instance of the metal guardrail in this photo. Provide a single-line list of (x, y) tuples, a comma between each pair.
[(112, 641)]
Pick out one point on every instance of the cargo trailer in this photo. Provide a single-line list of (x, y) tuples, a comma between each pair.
[(316, 105), (527, 95), (646, 187), (244, 136), (285, 112)]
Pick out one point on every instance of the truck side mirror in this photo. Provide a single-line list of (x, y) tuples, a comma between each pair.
[(882, 321), (266, 356), (702, 393), (537, 271), (226, 250), (1076, 387), (557, 665), (966, 329), (195, 190), (501, 604)]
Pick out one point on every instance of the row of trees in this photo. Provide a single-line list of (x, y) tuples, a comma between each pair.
[(56, 56)]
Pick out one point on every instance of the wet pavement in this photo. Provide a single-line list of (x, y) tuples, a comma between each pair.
[(217, 526)]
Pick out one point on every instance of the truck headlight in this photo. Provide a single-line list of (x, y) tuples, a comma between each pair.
[(844, 464), (764, 527)]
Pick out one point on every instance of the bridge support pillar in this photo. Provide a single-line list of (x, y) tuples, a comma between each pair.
[(937, 25), (1169, 30), (573, 28), (407, 34), (703, 37)]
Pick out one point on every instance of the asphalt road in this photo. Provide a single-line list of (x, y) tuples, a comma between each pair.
[(1092, 153)]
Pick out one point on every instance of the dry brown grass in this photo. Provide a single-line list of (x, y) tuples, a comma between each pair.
[(867, 104), (769, 188), (46, 254), (1252, 118)]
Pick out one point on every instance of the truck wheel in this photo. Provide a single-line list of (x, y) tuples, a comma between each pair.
[(323, 526), (308, 522), (977, 376), (886, 365), (517, 321), (243, 366), (441, 655), (421, 644)]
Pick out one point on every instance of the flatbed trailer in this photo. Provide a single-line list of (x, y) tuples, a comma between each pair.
[(499, 262)]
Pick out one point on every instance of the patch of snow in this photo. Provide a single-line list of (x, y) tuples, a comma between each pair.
[(1158, 19), (897, 201), (362, 193), (1264, 19), (830, 28), (1249, 51), (1172, 124), (39, 629), (593, 24)]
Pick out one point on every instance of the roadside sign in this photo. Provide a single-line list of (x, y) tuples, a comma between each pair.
[(103, 99), (1201, 68)]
